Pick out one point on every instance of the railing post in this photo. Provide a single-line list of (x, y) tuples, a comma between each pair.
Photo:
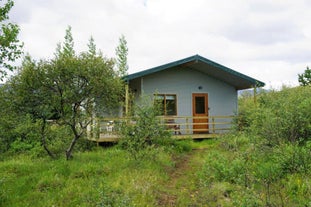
[(213, 124), (187, 126)]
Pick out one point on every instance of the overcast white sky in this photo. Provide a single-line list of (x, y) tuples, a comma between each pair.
[(269, 40)]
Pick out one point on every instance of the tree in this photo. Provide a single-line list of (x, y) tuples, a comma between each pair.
[(305, 78), (32, 97), (92, 47), (122, 68), (70, 86), (8, 120), (122, 52), (10, 46)]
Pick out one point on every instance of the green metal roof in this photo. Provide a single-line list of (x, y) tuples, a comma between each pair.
[(204, 65)]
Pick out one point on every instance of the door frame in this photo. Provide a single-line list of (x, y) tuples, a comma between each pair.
[(200, 126)]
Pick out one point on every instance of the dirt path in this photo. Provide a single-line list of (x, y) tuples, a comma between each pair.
[(179, 178)]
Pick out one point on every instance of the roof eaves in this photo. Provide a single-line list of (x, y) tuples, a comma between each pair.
[(256, 83)]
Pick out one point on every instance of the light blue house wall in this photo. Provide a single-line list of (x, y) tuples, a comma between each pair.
[(222, 97)]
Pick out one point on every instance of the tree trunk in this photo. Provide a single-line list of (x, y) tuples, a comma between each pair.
[(77, 135), (43, 140), (73, 141), (70, 148), (47, 149)]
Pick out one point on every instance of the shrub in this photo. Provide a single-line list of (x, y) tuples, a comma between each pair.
[(298, 189), (279, 116), (293, 158), (144, 132), (221, 169), (247, 112), (27, 135)]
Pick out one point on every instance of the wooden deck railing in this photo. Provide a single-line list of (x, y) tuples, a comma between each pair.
[(106, 129), (208, 124)]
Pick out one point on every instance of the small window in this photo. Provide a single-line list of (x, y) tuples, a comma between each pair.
[(167, 104), (200, 105)]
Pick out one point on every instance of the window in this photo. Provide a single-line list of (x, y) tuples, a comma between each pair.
[(167, 104), (200, 105)]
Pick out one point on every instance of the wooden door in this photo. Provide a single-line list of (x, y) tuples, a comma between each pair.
[(200, 112)]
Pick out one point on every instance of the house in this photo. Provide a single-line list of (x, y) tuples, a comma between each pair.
[(198, 96)]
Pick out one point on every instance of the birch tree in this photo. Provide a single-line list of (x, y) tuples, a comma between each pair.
[(70, 84), (10, 46)]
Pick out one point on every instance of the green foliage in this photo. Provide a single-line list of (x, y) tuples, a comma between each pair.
[(279, 116), (245, 173), (298, 189), (144, 131), (27, 136), (10, 47), (69, 88), (304, 79), (293, 158), (23, 134), (92, 47), (182, 146), (122, 52), (19, 132), (67, 51), (103, 177), (221, 169), (278, 127), (229, 171), (8, 119), (247, 111)]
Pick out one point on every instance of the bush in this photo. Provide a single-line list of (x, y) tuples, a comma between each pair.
[(279, 116), (298, 189), (293, 158), (144, 132), (26, 136), (221, 169)]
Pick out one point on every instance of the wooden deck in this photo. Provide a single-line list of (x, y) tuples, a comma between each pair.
[(182, 127), (115, 138)]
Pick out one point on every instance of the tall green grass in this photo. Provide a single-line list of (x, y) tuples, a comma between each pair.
[(229, 171), (104, 177), (239, 172)]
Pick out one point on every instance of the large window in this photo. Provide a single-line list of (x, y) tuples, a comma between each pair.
[(167, 103)]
